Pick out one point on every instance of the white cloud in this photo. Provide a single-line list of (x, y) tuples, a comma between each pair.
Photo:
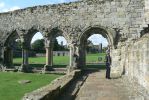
[(37, 36), (96, 39), (14, 8), (2, 4), (61, 39), (10, 9), (6, 8)]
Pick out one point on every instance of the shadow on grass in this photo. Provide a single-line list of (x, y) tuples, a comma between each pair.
[(42, 65), (59, 66), (92, 66), (97, 66)]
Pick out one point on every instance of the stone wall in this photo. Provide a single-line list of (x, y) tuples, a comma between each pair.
[(53, 90), (124, 15), (123, 22), (133, 60)]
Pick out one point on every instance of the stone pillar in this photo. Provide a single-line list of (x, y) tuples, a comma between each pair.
[(25, 64), (8, 57), (1, 57), (115, 65), (73, 57), (82, 58), (25, 56), (49, 56), (25, 49), (49, 53)]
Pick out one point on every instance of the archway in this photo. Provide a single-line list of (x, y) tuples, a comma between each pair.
[(60, 52), (96, 47), (56, 51), (12, 50), (83, 41), (37, 51)]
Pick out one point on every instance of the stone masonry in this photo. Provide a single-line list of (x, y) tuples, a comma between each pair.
[(123, 22)]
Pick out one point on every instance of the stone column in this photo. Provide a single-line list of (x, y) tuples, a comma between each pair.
[(115, 65), (25, 56), (83, 56), (25, 49), (73, 57), (70, 56), (49, 53), (8, 57), (49, 56)]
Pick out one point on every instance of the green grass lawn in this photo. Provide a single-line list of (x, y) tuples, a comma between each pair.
[(57, 60), (62, 60), (95, 58), (10, 89)]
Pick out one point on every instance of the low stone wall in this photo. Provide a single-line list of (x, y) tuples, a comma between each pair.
[(54, 89)]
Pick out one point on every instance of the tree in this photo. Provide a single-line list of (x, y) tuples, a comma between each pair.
[(57, 47), (38, 46), (89, 46)]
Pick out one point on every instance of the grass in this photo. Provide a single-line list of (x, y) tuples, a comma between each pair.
[(95, 58), (61, 60), (58, 60), (10, 89)]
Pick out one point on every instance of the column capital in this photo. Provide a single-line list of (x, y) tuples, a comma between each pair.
[(25, 44), (48, 42)]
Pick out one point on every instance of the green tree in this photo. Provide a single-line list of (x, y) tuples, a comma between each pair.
[(38, 46), (89, 46), (57, 47)]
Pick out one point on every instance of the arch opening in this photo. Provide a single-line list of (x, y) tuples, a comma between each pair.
[(50, 51), (12, 51), (60, 52), (94, 38), (37, 51)]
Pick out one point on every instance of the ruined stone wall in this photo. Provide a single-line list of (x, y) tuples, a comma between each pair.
[(147, 11), (134, 60), (120, 18), (76, 17), (123, 20)]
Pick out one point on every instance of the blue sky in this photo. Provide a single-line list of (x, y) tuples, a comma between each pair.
[(7, 5), (10, 5)]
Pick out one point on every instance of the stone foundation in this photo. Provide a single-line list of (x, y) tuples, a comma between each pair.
[(54, 89)]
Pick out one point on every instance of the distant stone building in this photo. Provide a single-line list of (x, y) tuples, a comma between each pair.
[(95, 48), (55, 53), (60, 53)]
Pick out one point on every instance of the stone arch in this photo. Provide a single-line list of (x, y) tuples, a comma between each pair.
[(87, 32), (10, 36), (105, 32), (54, 32), (8, 46), (50, 37), (30, 34)]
